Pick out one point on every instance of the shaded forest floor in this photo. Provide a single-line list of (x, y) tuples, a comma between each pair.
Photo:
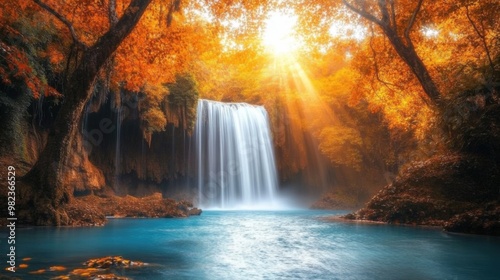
[(459, 193)]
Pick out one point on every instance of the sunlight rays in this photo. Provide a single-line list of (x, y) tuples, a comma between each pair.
[(279, 34), (306, 115)]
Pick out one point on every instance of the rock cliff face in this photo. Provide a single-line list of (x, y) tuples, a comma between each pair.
[(143, 166), (459, 193), (140, 168), (161, 162)]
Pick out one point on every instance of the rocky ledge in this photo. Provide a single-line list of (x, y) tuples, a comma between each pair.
[(93, 210), (459, 193)]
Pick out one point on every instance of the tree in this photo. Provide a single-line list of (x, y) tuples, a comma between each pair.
[(397, 25), (51, 193)]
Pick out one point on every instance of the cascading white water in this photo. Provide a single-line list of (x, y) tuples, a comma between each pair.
[(235, 158)]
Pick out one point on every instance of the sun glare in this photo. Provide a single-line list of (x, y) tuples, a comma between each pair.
[(430, 32), (279, 35)]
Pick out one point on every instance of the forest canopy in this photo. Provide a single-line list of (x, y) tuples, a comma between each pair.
[(353, 75)]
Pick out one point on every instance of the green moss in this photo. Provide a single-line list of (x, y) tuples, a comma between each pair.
[(183, 97), (13, 112), (23, 68)]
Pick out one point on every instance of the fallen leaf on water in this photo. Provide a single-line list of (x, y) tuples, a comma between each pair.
[(40, 271), (57, 268)]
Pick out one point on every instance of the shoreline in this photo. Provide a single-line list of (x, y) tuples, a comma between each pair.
[(338, 218)]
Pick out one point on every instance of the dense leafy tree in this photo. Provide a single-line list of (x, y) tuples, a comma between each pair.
[(96, 48), (347, 66)]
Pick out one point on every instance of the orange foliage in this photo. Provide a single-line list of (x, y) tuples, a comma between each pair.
[(18, 68), (55, 56), (335, 75), (152, 54)]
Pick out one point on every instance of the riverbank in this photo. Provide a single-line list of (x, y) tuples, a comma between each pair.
[(458, 193), (93, 209)]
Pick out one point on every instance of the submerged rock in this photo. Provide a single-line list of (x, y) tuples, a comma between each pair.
[(112, 262), (57, 268), (95, 269), (40, 271), (109, 276)]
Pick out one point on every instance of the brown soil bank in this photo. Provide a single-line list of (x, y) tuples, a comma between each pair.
[(85, 210), (459, 193), (93, 210)]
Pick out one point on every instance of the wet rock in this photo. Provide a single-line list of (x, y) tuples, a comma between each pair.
[(92, 210), (109, 276), (61, 277), (349, 216), (40, 271), (478, 221), (99, 269), (194, 212), (85, 272), (449, 191), (111, 262), (57, 268)]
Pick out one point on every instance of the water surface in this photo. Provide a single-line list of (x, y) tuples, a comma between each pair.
[(264, 245)]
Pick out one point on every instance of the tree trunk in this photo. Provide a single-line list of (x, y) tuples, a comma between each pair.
[(50, 192), (416, 65), (387, 22)]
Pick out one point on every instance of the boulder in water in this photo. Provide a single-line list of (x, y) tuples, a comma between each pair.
[(194, 211)]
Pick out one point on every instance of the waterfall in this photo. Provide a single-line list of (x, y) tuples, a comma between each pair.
[(235, 157)]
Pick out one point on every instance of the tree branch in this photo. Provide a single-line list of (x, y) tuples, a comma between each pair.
[(175, 6), (393, 15), (412, 22), (382, 4), (104, 47), (64, 21), (482, 36), (375, 64), (113, 16), (363, 13)]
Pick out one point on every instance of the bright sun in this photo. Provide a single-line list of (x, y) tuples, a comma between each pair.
[(278, 34)]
